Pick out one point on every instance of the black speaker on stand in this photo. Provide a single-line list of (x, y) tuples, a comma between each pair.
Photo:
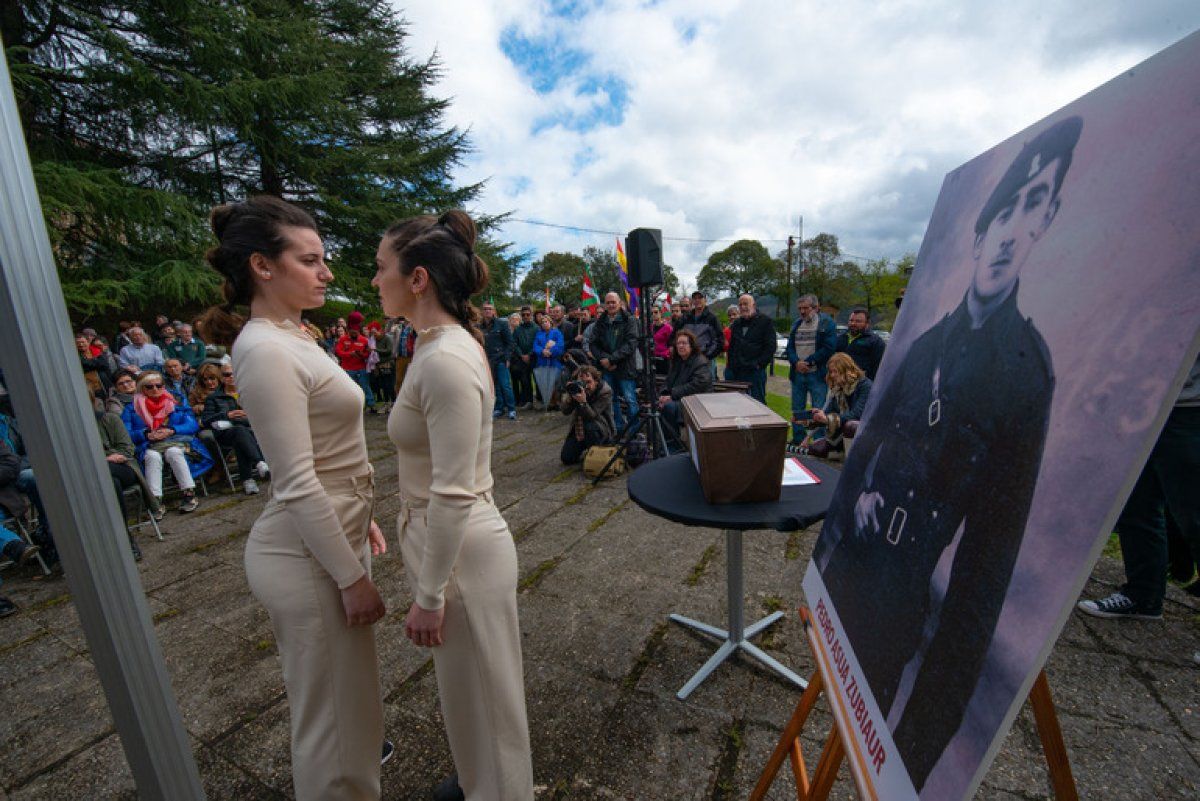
[(643, 254)]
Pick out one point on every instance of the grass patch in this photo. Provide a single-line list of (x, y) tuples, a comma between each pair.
[(726, 766), (537, 574), (167, 615), (265, 644), (518, 457), (413, 678), (564, 475), (792, 550), (701, 567), (236, 534), (646, 657), (12, 646), (49, 603), (208, 509), (1112, 548), (780, 404), (602, 519), (580, 494)]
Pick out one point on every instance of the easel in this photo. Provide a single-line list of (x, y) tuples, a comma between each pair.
[(817, 789)]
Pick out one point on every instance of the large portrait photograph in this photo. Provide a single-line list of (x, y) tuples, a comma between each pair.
[(1052, 317)]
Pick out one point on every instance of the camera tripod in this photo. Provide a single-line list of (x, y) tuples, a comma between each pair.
[(658, 435)]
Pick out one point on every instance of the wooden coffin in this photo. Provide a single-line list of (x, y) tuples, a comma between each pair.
[(737, 446)]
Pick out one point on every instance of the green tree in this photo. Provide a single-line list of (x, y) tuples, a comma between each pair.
[(744, 266), (563, 272)]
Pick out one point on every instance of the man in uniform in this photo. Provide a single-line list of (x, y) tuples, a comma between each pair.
[(954, 444)]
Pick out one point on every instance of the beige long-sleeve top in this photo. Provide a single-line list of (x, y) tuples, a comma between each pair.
[(307, 415), (441, 426)]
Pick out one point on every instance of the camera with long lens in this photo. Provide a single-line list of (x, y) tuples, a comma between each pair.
[(574, 387)]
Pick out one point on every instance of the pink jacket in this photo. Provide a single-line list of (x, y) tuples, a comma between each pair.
[(662, 341)]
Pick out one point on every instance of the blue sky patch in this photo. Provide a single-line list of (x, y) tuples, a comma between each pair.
[(543, 62)]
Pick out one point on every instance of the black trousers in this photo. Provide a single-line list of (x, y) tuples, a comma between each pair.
[(245, 448), (573, 449), (522, 380), (383, 384)]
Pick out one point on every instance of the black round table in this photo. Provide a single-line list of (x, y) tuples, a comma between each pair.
[(670, 488)]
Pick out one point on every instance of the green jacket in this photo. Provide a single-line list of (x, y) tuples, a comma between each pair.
[(192, 354), (523, 339)]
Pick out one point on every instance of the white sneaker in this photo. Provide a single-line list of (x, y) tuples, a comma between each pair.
[(262, 470), (250, 486)]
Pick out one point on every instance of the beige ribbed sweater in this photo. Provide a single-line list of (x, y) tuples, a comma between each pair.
[(307, 415), (441, 426)]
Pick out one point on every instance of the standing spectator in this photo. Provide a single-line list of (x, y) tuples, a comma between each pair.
[(810, 344), (189, 349), (676, 320), (522, 363), (548, 348), (383, 378), (406, 341), (162, 431), (223, 414), (661, 332), (514, 320), (498, 347), (862, 344), (689, 375), (732, 314), (139, 354), (614, 341), (1167, 485), (177, 383), (353, 350), (592, 423), (751, 347), (707, 330), (565, 326)]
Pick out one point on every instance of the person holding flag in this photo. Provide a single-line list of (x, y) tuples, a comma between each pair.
[(631, 293)]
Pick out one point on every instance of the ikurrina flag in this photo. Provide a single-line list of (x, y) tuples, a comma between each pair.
[(631, 293), (587, 298)]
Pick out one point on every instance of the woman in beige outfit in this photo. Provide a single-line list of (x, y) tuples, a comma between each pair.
[(308, 558), (457, 549)]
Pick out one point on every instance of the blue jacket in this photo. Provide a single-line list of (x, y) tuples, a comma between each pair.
[(185, 425), (826, 343), (554, 338)]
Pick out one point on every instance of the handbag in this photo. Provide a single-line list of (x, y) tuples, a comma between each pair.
[(595, 457)]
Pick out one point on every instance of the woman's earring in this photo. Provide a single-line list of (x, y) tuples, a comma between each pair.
[(266, 275)]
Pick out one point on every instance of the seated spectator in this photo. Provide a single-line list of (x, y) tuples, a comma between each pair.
[(689, 374), (188, 349), (177, 382), (119, 455), (849, 389), (26, 484), (662, 341), (12, 505), (95, 369), (102, 351), (124, 388), (140, 354), (162, 430), (229, 424), (547, 351), (592, 421), (208, 381)]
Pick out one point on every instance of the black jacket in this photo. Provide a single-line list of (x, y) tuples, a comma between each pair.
[(497, 340), (866, 350), (707, 330), (217, 406), (690, 377), (616, 340), (752, 342)]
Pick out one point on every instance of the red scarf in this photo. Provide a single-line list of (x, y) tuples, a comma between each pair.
[(154, 412)]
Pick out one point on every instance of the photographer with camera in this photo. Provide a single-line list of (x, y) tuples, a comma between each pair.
[(590, 400)]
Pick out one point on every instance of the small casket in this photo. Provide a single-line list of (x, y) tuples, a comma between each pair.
[(737, 446)]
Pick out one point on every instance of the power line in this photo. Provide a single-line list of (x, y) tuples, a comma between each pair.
[(584, 230)]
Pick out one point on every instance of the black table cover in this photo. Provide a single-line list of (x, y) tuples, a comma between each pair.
[(670, 488)]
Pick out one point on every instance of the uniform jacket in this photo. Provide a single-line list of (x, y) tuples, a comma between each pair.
[(866, 350), (825, 344), (752, 342), (954, 439), (690, 377)]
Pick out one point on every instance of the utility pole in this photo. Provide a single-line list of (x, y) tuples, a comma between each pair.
[(787, 298), (799, 259)]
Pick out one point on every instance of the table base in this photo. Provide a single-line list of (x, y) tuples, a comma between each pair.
[(738, 636)]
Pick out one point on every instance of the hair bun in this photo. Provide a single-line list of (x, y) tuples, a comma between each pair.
[(219, 218), (460, 224)]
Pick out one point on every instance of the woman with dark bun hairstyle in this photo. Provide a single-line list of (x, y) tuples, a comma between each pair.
[(308, 557), (457, 549)]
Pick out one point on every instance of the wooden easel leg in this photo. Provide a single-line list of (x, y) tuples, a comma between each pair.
[(1053, 746), (799, 770), (787, 740), (827, 767)]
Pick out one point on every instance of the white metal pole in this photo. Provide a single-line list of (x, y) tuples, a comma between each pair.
[(42, 372)]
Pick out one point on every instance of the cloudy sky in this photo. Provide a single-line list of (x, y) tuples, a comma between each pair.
[(720, 120)]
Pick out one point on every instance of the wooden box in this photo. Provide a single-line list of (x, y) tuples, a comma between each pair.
[(737, 446)]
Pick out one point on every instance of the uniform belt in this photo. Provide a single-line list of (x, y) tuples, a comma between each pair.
[(419, 507), (348, 480)]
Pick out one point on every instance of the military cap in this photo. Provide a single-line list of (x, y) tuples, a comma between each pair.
[(1056, 143)]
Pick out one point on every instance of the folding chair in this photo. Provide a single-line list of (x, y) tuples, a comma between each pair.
[(142, 509), (22, 529)]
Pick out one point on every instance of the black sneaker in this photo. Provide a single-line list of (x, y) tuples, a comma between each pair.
[(1117, 605), (190, 503), (20, 552), (7, 607), (389, 750)]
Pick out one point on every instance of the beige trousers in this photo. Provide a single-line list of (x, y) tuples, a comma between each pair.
[(330, 670), (481, 682)]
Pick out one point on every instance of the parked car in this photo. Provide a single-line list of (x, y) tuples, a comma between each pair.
[(780, 345)]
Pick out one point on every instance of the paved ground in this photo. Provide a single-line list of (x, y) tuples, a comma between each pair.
[(598, 578)]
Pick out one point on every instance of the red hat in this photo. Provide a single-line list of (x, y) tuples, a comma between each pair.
[(354, 320)]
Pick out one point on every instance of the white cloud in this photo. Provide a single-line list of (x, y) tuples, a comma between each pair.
[(741, 116)]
